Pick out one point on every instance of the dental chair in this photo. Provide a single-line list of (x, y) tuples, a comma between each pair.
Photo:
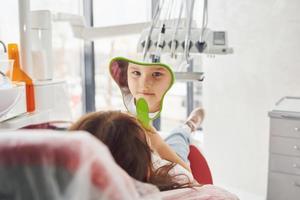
[(199, 166), (56, 165)]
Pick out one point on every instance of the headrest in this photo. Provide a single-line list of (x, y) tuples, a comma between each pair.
[(45, 164)]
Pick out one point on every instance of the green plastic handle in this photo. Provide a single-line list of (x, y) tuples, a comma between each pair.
[(142, 110)]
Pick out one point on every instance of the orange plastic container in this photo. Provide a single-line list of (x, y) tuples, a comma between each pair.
[(17, 74)]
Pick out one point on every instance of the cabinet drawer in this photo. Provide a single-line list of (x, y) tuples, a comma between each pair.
[(285, 164), (285, 127), (285, 146), (283, 187)]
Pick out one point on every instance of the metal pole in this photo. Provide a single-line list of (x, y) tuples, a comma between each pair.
[(157, 121), (190, 84), (190, 90), (89, 63)]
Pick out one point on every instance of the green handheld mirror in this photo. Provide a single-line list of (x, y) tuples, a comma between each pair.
[(143, 86)]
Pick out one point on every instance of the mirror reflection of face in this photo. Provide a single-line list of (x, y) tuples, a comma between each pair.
[(148, 82)]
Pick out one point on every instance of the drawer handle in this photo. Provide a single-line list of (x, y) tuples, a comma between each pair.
[(296, 184), (296, 147), (289, 117), (297, 129)]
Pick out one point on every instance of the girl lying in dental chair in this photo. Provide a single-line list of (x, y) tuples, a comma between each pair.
[(53, 165), (139, 151)]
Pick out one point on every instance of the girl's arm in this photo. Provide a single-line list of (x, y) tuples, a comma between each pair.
[(164, 150)]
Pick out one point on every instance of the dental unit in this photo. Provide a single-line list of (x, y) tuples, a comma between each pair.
[(162, 38)]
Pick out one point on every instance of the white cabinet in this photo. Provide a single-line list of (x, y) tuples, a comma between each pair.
[(284, 159)]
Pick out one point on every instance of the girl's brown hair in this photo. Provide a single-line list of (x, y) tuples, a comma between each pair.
[(126, 139)]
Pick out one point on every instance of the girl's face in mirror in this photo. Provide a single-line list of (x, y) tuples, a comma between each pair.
[(148, 82)]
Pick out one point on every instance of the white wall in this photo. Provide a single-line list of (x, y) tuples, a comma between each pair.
[(240, 89)]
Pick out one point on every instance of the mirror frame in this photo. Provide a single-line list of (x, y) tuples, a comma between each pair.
[(117, 59)]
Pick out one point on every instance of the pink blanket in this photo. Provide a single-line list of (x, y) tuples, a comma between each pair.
[(206, 192)]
